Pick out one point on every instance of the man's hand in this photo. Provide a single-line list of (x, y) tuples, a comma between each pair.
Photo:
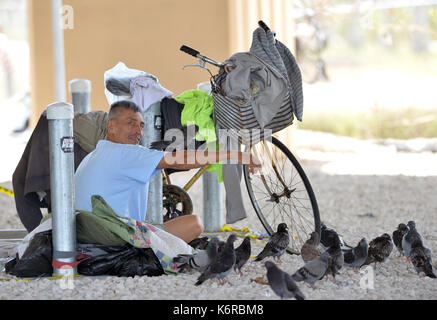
[(254, 165)]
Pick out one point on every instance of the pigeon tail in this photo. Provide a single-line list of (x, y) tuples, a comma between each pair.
[(299, 296), (263, 253), (200, 280)]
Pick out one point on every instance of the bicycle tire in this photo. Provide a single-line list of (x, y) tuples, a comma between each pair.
[(176, 202), (298, 233)]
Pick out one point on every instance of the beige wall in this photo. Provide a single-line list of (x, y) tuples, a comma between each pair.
[(145, 35)]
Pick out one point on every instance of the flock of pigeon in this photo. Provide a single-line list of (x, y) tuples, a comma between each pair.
[(322, 257)]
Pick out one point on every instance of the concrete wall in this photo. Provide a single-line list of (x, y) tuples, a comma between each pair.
[(145, 35)]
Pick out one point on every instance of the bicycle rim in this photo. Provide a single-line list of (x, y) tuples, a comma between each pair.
[(281, 192)]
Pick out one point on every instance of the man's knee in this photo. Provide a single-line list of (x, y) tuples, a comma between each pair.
[(197, 224)]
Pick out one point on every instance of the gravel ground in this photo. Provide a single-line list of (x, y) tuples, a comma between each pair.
[(350, 179)]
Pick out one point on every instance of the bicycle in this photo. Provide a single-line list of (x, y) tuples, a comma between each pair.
[(280, 193)]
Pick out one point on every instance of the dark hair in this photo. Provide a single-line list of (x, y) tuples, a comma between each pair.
[(114, 110)]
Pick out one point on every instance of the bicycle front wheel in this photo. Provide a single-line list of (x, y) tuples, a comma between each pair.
[(281, 192)]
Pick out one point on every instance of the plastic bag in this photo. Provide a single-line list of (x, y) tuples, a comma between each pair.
[(117, 82), (122, 261), (36, 260)]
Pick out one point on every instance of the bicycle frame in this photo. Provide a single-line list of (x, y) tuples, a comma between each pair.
[(189, 184)]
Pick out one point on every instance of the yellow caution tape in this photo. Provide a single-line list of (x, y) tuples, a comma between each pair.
[(6, 191), (245, 232), (53, 277)]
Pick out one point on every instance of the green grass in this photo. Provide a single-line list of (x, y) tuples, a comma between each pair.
[(378, 123)]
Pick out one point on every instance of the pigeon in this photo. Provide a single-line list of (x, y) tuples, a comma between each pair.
[(282, 283), (327, 238), (421, 259), (411, 236), (379, 249), (336, 259), (242, 254), (310, 249), (199, 243), (200, 260), (222, 266), (312, 270), (398, 234), (355, 257), (277, 244)]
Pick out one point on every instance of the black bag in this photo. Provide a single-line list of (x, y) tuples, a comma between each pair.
[(122, 261), (36, 260)]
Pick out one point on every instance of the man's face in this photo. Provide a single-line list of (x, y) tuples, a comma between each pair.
[(127, 128)]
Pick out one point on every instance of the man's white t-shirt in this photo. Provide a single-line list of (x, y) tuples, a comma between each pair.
[(120, 173)]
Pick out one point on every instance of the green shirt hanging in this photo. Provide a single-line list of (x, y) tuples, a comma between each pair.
[(198, 109)]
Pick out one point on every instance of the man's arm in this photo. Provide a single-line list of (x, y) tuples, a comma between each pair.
[(195, 159)]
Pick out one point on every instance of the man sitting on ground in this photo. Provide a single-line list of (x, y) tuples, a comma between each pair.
[(119, 170)]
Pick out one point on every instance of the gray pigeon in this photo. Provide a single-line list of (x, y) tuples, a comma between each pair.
[(310, 249), (398, 234), (200, 260), (421, 259), (222, 266), (336, 259), (380, 249), (277, 244), (281, 282), (312, 270), (242, 254), (411, 236), (327, 238), (355, 257), (199, 243)]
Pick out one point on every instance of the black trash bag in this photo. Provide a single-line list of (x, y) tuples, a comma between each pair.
[(142, 261), (36, 260), (122, 261)]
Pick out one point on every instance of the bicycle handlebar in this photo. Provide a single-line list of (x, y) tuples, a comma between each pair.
[(189, 50), (195, 53)]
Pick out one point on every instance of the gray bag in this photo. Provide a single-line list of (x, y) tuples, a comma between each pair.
[(258, 90), (279, 56)]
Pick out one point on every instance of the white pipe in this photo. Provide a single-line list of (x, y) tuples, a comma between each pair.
[(58, 51), (80, 93)]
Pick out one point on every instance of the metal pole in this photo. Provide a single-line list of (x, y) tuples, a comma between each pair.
[(213, 217), (58, 50), (60, 117), (152, 133), (80, 90), (212, 202)]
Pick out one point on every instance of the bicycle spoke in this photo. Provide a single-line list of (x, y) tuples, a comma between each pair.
[(281, 193), (302, 217)]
